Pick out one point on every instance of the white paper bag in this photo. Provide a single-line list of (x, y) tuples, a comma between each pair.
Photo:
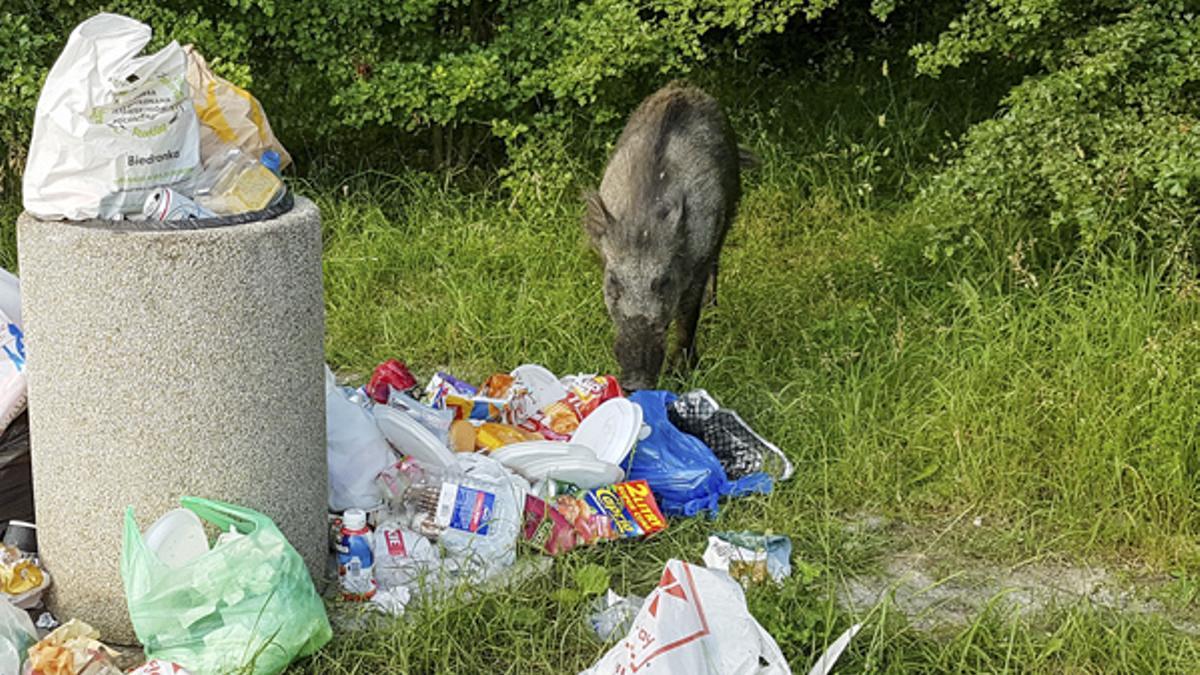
[(694, 622), (111, 126)]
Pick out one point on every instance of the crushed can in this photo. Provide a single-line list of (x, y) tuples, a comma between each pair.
[(167, 204)]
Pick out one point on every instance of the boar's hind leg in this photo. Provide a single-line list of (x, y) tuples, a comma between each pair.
[(688, 319)]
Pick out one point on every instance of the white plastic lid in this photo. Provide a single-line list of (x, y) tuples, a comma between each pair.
[(177, 538), (543, 385), (354, 519), (611, 430)]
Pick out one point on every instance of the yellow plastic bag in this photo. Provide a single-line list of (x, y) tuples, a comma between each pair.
[(229, 115)]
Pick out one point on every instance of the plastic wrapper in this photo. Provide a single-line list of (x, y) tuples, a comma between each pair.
[(390, 376), (555, 422), (546, 528), (749, 557), (585, 393), (619, 511), (442, 385), (436, 421), (493, 435), (612, 614)]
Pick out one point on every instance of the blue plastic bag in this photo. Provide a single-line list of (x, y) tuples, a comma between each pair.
[(684, 474)]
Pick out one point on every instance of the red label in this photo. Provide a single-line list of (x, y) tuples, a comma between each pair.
[(395, 543)]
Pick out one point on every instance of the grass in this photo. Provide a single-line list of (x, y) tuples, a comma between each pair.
[(1058, 406)]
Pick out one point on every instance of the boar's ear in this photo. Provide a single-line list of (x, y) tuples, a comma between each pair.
[(597, 218)]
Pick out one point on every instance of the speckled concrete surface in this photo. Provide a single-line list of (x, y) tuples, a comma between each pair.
[(164, 364)]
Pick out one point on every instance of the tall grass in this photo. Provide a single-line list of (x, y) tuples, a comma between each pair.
[(1060, 406)]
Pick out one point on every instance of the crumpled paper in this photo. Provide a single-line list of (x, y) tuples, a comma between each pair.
[(73, 648)]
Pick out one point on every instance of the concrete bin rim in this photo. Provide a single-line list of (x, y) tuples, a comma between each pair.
[(287, 205)]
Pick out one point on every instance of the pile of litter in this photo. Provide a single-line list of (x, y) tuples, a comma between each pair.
[(430, 488), (435, 486), (438, 486)]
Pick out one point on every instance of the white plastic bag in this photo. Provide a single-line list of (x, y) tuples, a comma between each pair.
[(12, 351), (694, 622), (111, 126), (355, 449), (16, 635)]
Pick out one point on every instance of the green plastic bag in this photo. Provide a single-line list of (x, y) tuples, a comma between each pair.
[(248, 605)]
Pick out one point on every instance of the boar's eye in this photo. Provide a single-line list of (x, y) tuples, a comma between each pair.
[(613, 286), (660, 284)]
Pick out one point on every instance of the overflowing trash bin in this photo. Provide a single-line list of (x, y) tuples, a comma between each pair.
[(169, 363)]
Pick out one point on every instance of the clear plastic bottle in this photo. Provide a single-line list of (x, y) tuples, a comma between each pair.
[(475, 515), (234, 182)]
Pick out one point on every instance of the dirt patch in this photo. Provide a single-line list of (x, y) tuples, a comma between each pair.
[(942, 592)]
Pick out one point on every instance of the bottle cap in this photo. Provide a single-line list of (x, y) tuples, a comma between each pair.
[(270, 159), (354, 519)]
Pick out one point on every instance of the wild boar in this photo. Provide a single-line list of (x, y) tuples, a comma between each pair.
[(658, 221)]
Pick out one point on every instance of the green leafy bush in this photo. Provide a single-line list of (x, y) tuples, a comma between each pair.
[(463, 77), (1095, 149)]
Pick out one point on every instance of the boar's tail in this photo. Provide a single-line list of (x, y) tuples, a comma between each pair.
[(747, 159)]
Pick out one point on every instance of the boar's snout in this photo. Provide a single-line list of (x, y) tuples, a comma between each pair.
[(639, 348)]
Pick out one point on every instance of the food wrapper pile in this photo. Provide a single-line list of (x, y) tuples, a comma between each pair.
[(73, 648), (506, 398)]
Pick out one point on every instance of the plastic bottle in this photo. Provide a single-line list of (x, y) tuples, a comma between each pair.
[(356, 561), (475, 515), (235, 182)]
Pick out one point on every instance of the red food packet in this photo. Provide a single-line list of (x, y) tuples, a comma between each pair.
[(620, 511), (585, 393), (555, 422), (390, 374), (545, 527)]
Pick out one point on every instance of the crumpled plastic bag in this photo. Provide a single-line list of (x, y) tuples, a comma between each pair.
[(355, 450), (229, 115), (12, 346), (613, 614), (683, 472), (248, 600), (696, 622), (111, 126), (16, 635)]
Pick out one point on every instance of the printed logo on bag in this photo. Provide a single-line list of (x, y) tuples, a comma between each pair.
[(14, 346), (675, 619)]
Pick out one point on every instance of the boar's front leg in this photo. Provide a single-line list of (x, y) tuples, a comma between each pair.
[(688, 319)]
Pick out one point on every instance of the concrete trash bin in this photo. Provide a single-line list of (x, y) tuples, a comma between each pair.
[(168, 363)]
